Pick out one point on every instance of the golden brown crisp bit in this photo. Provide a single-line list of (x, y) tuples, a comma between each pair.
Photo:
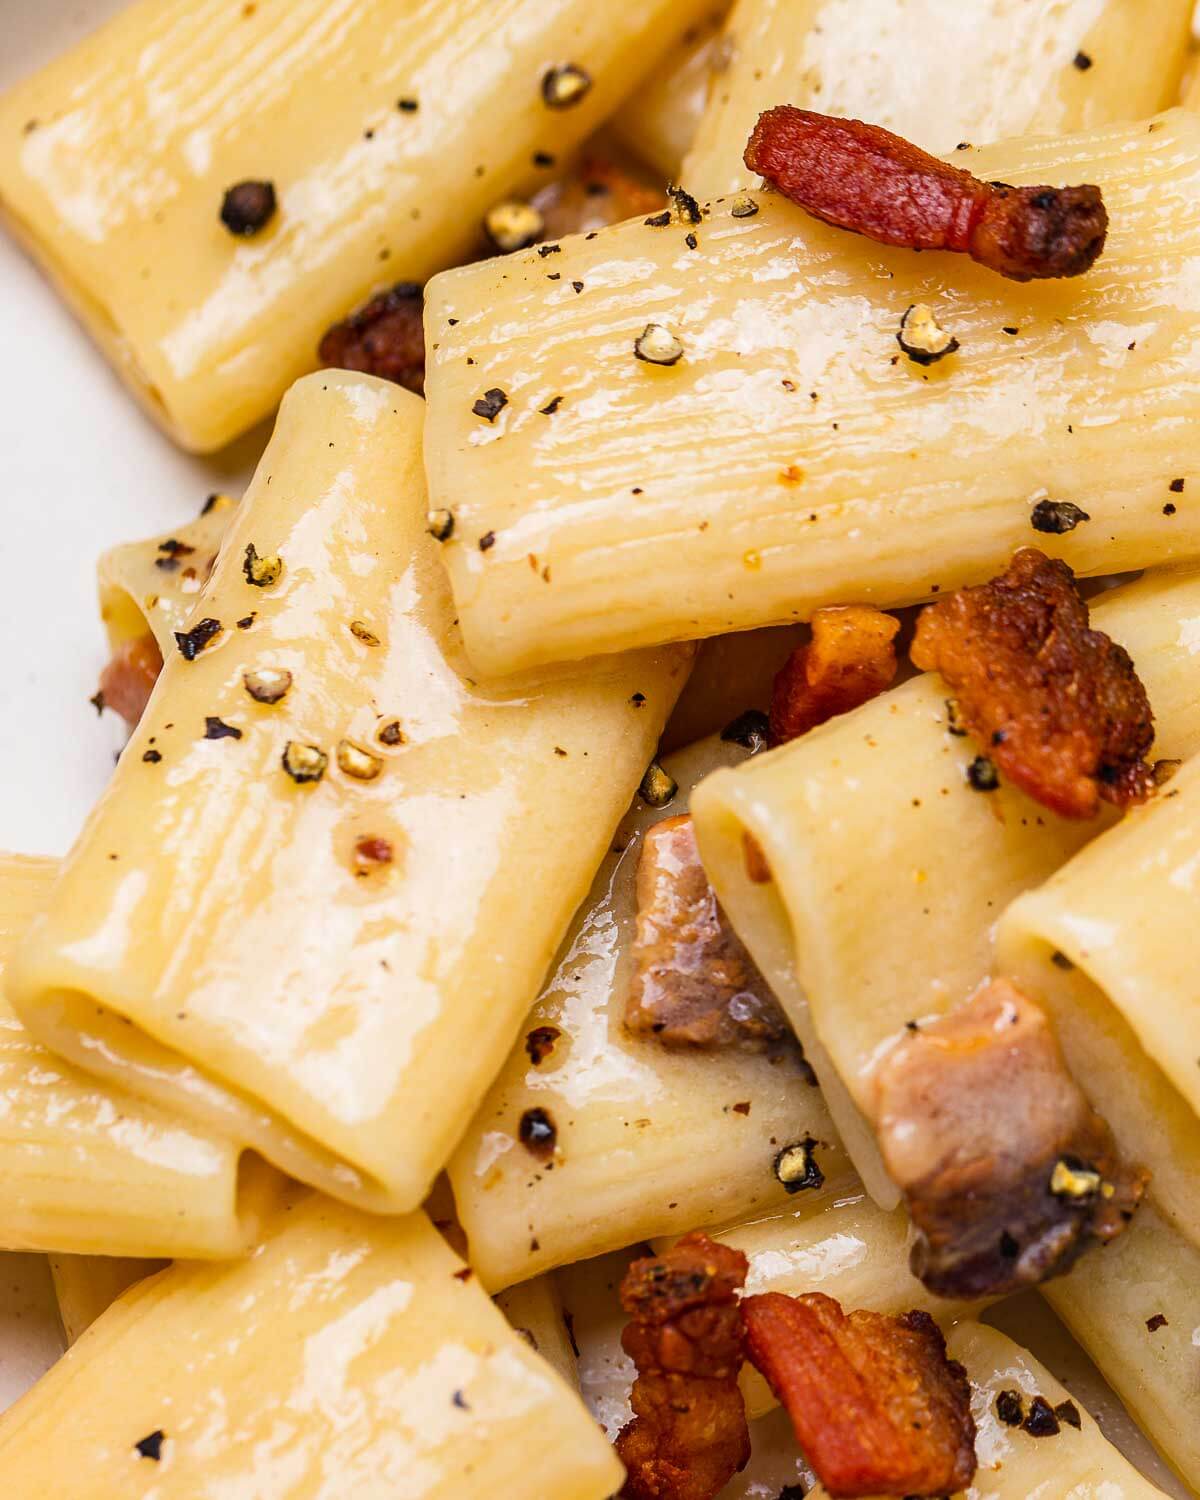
[(688, 1437), (877, 1406), (385, 337), (1008, 1173), (599, 193), (694, 984), (1057, 706), (129, 677), (849, 660)]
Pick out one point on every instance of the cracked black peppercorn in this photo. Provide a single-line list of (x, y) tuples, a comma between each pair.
[(490, 404), (192, 642), (565, 85), (217, 729), (796, 1166), (539, 1043), (1056, 517), (751, 730), (1041, 1421), (1010, 1408), (248, 207), (982, 774), (151, 1447), (538, 1132)]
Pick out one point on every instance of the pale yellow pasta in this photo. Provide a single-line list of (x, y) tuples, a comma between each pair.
[(534, 1308), (792, 457), (939, 72), (1134, 1309), (649, 1139), (658, 121), (253, 953), (348, 1356), (87, 1285), (1106, 945), (889, 870), (1075, 1464), (87, 1168), (387, 127)]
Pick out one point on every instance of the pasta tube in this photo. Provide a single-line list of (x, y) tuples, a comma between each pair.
[(342, 867), (649, 1140), (87, 1285), (88, 1168), (792, 457), (1134, 1310), (385, 1367), (385, 128), (658, 121), (534, 1308), (1056, 68), (1102, 945), (888, 869)]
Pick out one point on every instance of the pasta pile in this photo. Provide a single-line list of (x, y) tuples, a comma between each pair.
[(650, 885)]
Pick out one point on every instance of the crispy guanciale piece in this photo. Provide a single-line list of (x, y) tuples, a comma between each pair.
[(1007, 1171), (128, 678), (688, 1437), (877, 1407), (863, 178), (385, 337), (599, 193), (694, 984), (1058, 707), (848, 661)]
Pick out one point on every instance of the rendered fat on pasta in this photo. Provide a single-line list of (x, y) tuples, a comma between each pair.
[(86, 1167), (356, 1356), (387, 129), (1134, 1310), (1106, 944), (938, 72), (87, 1285), (888, 869), (792, 457), (331, 870), (646, 1140)]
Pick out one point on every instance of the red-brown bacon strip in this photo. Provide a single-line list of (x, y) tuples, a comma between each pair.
[(877, 1407), (1007, 1171), (385, 337), (694, 984), (1057, 706), (688, 1437), (863, 178), (848, 661), (129, 676)]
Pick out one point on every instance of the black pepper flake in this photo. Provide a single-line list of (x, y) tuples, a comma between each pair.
[(152, 757), (551, 407), (686, 206), (751, 730), (1010, 1408), (577, 287), (303, 763), (1056, 517), (1176, 486), (553, 249), (490, 404), (657, 787), (217, 729), (172, 551), (744, 207), (261, 572), (982, 774), (539, 1043), (1011, 331), (1158, 1321), (248, 207), (543, 159), (440, 524), (657, 345), (796, 1167), (192, 642), (464, 1275), (1082, 61), (1009, 1247), (407, 106), (792, 1492), (1061, 961), (1068, 1412), (215, 501), (97, 702), (954, 723), (538, 1132), (151, 1447), (659, 221), (565, 85), (391, 733), (922, 338), (691, 241), (1041, 1421), (461, 1401), (487, 541), (246, 621), (1169, 508)]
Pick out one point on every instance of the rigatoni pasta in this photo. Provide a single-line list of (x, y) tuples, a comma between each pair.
[(738, 485), (658, 121), (87, 1285), (88, 1168), (386, 1364), (1015, 69), (384, 128), (342, 866)]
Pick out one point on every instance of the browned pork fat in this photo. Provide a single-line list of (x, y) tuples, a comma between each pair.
[(1007, 1171), (688, 1437), (694, 983), (849, 660), (128, 678)]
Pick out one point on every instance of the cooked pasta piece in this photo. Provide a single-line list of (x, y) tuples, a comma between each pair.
[(87, 1285), (658, 121), (646, 1140), (772, 451), (938, 72), (213, 187), (1103, 944), (88, 1168), (535, 1310), (1065, 1457), (358, 1355), (341, 866), (1134, 1310), (886, 865)]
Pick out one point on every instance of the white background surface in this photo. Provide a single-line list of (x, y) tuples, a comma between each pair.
[(81, 469)]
